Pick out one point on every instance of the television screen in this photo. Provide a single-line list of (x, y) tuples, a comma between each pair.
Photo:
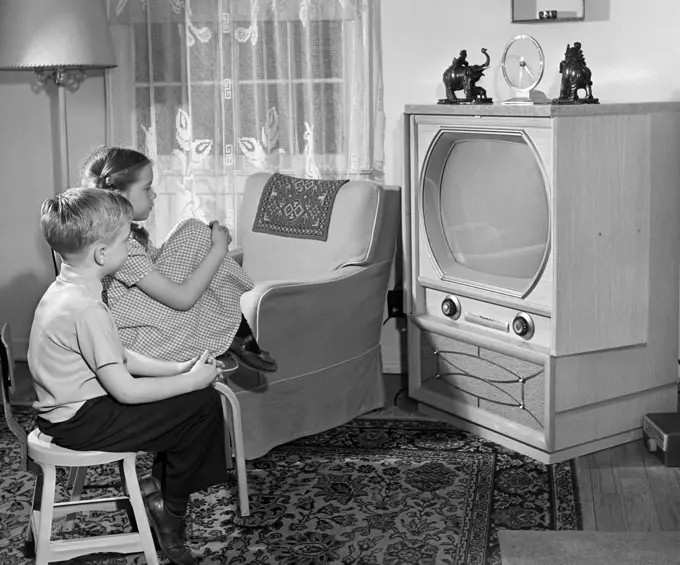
[(492, 215)]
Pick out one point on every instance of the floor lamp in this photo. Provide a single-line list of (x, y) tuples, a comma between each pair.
[(59, 40)]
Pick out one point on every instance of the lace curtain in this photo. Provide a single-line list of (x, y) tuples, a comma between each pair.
[(212, 90)]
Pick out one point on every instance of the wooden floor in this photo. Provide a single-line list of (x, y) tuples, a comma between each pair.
[(625, 488)]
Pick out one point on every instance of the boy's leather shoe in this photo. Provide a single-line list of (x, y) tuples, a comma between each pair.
[(168, 530), (149, 485)]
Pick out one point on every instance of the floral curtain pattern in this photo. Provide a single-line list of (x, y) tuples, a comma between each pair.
[(213, 90)]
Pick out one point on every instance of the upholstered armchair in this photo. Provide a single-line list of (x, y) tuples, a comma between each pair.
[(318, 308)]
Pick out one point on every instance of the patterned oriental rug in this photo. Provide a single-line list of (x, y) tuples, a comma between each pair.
[(394, 492)]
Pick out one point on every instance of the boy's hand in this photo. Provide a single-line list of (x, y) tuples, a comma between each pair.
[(205, 370), (185, 366), (219, 236)]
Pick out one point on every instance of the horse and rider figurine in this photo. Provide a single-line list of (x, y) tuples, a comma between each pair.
[(575, 76), (461, 75)]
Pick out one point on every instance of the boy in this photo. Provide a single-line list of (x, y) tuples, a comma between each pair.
[(87, 396)]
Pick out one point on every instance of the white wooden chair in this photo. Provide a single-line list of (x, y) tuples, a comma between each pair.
[(40, 456), (234, 449), (233, 435)]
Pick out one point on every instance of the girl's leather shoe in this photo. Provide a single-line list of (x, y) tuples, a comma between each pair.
[(227, 362), (242, 349)]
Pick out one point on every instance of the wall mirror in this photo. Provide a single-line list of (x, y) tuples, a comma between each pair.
[(528, 11)]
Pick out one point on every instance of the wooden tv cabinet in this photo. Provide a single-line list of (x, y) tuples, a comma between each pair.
[(605, 349)]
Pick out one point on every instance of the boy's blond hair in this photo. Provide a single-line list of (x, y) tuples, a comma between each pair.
[(78, 217)]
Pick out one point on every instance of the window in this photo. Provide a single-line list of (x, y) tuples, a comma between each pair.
[(226, 87)]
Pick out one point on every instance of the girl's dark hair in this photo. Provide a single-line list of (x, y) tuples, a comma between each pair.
[(115, 168), (139, 234)]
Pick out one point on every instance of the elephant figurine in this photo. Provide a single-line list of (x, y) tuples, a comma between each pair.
[(460, 75), (575, 76)]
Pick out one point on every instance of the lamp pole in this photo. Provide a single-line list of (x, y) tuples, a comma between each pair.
[(63, 78), (63, 138)]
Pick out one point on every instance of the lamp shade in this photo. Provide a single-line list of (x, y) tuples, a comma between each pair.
[(55, 33)]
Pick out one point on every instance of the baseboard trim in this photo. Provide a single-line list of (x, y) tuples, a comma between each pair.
[(20, 348), (392, 368)]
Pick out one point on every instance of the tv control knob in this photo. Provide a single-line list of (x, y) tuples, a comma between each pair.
[(523, 325), (451, 307)]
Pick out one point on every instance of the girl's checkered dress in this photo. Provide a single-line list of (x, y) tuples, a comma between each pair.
[(149, 327)]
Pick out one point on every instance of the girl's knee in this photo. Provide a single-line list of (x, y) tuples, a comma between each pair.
[(192, 226), (189, 237)]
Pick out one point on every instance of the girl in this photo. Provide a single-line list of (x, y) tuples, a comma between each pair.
[(182, 298)]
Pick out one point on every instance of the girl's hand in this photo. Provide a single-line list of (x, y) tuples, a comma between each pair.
[(205, 371), (219, 236)]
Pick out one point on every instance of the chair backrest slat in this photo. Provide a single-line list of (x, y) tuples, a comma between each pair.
[(8, 358), (8, 387)]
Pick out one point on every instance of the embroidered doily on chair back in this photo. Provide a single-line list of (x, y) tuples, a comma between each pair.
[(297, 208)]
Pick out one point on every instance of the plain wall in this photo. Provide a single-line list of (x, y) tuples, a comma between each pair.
[(30, 164)]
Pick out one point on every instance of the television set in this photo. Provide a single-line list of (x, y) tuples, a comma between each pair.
[(541, 270), (503, 246)]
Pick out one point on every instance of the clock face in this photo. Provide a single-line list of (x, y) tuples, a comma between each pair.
[(523, 63)]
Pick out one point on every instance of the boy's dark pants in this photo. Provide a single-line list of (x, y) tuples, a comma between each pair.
[(186, 432)]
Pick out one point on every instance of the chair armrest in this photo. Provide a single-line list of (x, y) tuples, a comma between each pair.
[(237, 255), (311, 325)]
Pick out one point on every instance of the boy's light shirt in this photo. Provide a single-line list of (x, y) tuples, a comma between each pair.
[(73, 335)]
